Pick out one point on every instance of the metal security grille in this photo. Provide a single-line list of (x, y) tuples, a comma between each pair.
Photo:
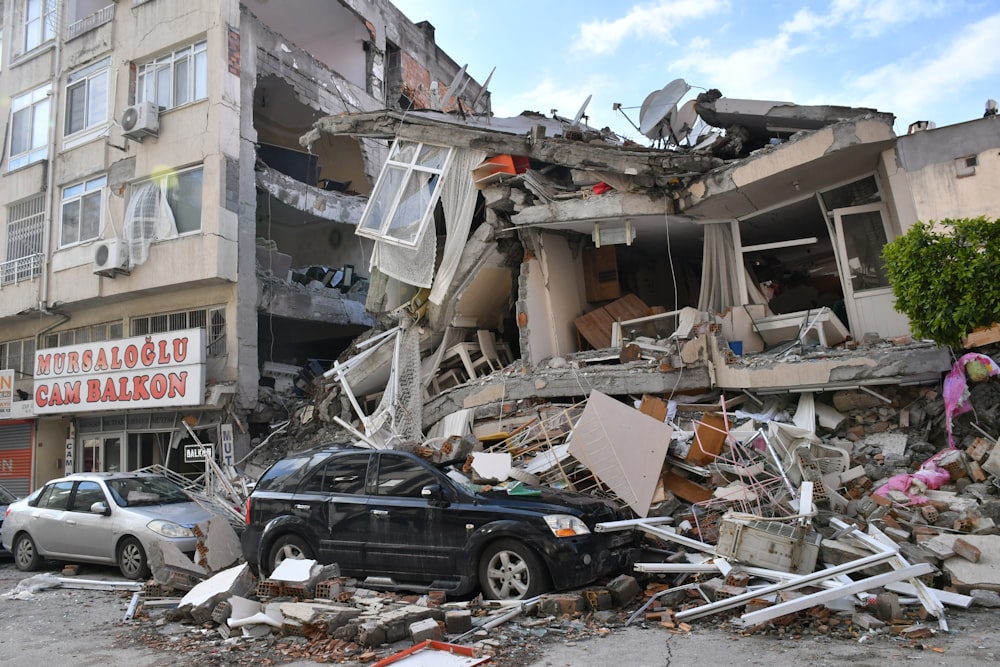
[(213, 320), (15, 458), (25, 223)]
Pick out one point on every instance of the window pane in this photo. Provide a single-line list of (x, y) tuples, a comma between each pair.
[(40, 124), (163, 87), (90, 223), (382, 199), (432, 157), (76, 107), (403, 151), (21, 133), (184, 199), (200, 75), (398, 476), (864, 237), (97, 107), (70, 222), (405, 224), (181, 81)]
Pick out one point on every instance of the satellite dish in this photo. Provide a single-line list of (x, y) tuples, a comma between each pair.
[(579, 114), (451, 87), (482, 89), (658, 105), (682, 121)]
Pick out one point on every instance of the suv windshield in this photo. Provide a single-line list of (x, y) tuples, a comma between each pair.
[(133, 491)]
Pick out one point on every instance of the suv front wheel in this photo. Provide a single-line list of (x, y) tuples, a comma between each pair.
[(288, 546), (509, 570)]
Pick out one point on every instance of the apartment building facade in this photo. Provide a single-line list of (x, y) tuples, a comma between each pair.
[(164, 235)]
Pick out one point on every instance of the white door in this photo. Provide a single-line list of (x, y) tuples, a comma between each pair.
[(861, 235)]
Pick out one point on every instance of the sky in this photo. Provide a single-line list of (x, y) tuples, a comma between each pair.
[(921, 60)]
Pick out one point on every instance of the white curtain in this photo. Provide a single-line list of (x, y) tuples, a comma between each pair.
[(720, 287), (458, 198), (148, 217), (413, 266)]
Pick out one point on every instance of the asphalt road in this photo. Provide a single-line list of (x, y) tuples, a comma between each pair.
[(84, 628)]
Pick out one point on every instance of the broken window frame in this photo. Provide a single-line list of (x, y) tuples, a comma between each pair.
[(395, 194)]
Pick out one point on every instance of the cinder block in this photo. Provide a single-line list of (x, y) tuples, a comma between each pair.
[(624, 589), (424, 630), (562, 604), (458, 621), (598, 599)]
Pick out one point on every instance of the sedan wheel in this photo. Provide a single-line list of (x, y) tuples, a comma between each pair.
[(132, 559), (289, 546), (26, 556), (509, 570)]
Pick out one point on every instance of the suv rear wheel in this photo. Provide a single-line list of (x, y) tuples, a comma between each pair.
[(288, 546), (509, 570)]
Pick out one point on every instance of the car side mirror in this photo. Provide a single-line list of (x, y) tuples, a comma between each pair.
[(434, 493), (100, 508)]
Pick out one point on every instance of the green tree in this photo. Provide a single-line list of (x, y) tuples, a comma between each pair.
[(946, 277)]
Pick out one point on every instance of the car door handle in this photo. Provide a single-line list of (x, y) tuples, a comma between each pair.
[(380, 514), (301, 507)]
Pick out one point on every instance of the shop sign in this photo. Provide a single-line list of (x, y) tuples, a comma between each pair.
[(155, 371), (6, 392), (197, 453)]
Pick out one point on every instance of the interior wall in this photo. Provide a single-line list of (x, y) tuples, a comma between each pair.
[(553, 298)]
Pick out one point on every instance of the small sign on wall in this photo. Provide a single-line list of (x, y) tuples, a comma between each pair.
[(197, 453), (227, 444), (68, 458)]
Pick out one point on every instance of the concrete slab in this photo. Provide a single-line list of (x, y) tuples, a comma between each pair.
[(986, 571)]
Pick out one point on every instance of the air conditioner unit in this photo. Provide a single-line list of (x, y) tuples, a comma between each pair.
[(110, 258), (141, 120)]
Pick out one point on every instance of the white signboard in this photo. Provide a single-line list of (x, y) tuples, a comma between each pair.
[(6, 392), (195, 453), (155, 371), (228, 455)]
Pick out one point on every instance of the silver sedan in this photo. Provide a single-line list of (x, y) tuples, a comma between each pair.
[(111, 518)]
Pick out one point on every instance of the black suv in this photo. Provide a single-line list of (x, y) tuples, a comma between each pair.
[(395, 521)]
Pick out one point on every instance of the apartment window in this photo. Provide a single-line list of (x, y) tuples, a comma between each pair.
[(81, 210), (164, 206), (407, 190), (19, 356), (29, 140), (39, 22), (174, 79), (212, 320), (25, 225), (95, 333), (87, 97)]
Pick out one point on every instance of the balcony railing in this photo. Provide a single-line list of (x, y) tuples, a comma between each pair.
[(17, 270), (88, 23)]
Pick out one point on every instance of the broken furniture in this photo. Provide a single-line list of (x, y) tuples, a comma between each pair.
[(810, 327), (595, 327)]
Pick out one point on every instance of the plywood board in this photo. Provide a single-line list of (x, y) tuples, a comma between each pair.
[(595, 326), (622, 447)]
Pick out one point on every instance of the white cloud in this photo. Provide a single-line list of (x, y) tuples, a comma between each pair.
[(912, 89), (739, 73), (871, 19), (548, 95), (655, 20)]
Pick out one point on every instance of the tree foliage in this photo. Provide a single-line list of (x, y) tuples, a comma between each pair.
[(946, 277)]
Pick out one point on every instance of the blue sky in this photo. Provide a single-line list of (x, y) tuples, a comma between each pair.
[(935, 60)]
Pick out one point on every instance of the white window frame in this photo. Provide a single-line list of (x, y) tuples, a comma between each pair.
[(25, 231), (37, 103), (210, 318), (76, 195), (96, 111), (393, 193), (39, 17), (156, 80), (166, 185), (18, 355)]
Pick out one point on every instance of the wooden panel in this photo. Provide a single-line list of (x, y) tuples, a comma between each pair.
[(595, 326), (600, 273)]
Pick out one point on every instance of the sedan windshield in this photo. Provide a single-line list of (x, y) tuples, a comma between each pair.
[(134, 491)]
